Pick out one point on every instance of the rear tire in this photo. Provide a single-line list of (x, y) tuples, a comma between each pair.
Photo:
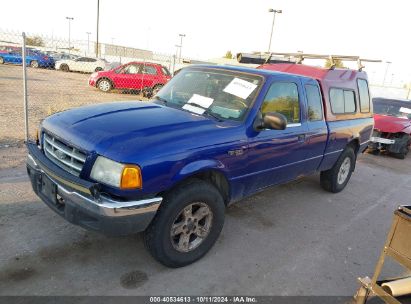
[(65, 68), (34, 64), (187, 224), (335, 179), (104, 85)]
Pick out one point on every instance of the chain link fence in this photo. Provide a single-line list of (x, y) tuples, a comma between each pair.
[(63, 74)]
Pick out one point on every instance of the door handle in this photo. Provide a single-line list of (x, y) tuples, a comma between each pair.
[(301, 137)]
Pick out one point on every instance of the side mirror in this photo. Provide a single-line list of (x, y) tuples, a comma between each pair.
[(270, 120)]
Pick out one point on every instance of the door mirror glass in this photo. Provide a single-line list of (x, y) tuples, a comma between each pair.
[(274, 121)]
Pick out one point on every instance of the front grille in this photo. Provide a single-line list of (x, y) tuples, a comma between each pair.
[(63, 155)]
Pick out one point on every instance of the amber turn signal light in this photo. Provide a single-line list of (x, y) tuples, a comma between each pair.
[(131, 178)]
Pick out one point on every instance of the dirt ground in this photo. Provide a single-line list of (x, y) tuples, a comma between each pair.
[(294, 239), (49, 91)]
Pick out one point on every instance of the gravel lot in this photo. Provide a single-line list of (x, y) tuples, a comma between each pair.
[(294, 239)]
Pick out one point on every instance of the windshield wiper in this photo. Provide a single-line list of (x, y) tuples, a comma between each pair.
[(209, 113), (161, 99)]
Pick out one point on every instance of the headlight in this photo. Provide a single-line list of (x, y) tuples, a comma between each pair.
[(116, 174)]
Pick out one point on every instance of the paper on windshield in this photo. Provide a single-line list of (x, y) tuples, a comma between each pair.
[(203, 102), (405, 110), (240, 88)]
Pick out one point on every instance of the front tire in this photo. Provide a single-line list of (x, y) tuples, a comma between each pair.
[(335, 179), (34, 64), (105, 85), (187, 224)]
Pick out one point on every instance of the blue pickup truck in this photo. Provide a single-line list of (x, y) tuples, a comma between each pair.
[(212, 136)]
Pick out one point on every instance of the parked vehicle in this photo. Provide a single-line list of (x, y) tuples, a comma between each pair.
[(33, 59), (392, 130), (81, 64), (7, 49), (133, 75), (63, 56), (212, 136)]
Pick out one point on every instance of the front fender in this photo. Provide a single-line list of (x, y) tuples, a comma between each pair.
[(198, 166)]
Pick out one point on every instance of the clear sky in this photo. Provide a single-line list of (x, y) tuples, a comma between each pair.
[(373, 29)]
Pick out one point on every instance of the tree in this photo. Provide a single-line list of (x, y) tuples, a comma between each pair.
[(35, 41), (338, 63), (229, 55)]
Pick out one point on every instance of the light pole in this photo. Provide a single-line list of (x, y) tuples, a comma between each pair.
[(98, 17), (272, 26), (69, 21), (181, 45), (386, 71), (88, 42), (178, 47)]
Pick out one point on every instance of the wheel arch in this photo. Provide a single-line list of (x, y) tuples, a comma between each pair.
[(105, 78), (355, 144), (208, 171)]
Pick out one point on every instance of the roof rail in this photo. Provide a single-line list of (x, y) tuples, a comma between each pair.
[(300, 56)]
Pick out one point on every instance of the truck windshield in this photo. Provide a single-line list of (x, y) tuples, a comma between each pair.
[(402, 110), (220, 93)]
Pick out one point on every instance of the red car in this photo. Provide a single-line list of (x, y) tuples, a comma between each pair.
[(392, 129), (140, 76)]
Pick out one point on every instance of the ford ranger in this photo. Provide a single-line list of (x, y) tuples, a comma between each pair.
[(212, 135)]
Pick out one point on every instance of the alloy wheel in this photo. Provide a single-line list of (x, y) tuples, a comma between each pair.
[(191, 227)]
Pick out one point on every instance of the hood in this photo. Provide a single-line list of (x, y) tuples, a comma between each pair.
[(122, 130), (390, 124)]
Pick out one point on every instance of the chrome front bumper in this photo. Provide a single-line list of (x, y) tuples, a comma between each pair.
[(90, 210)]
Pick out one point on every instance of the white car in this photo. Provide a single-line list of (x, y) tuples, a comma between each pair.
[(81, 64)]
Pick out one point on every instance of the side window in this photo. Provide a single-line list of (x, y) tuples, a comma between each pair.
[(148, 69), (315, 109), (342, 101), (364, 95), (349, 101), (131, 69), (282, 97)]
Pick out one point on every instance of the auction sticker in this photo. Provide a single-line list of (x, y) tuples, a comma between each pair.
[(198, 104), (240, 88)]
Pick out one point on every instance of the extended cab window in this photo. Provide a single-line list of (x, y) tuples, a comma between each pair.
[(315, 109), (364, 95), (282, 97), (342, 101)]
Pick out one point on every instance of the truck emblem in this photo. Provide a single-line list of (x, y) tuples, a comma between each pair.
[(60, 154)]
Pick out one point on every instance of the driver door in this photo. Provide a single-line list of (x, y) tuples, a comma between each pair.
[(277, 156), (129, 77)]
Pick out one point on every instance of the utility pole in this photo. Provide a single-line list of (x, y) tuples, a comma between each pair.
[(181, 45), (98, 17), (88, 43), (272, 26), (386, 71), (69, 21)]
